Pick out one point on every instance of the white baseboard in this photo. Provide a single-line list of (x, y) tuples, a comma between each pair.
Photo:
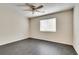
[(12, 41), (51, 41)]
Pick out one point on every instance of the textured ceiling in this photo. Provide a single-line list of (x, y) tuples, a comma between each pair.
[(50, 8), (47, 9)]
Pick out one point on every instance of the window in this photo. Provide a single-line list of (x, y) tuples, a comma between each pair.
[(48, 25)]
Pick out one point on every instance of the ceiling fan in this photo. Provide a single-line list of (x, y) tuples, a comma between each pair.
[(32, 7)]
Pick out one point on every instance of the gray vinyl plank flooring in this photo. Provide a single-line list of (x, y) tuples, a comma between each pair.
[(36, 47)]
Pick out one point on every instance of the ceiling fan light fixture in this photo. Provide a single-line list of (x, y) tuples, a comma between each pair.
[(33, 7)]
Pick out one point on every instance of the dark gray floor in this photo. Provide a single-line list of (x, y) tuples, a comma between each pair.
[(36, 47)]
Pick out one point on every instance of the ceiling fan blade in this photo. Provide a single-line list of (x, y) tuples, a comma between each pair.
[(30, 5), (39, 7), (40, 11)]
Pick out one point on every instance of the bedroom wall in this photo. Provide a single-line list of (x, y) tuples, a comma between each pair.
[(64, 28), (13, 26), (76, 28)]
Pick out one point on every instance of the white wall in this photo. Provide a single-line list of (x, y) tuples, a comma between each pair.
[(13, 26), (76, 28), (64, 28)]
